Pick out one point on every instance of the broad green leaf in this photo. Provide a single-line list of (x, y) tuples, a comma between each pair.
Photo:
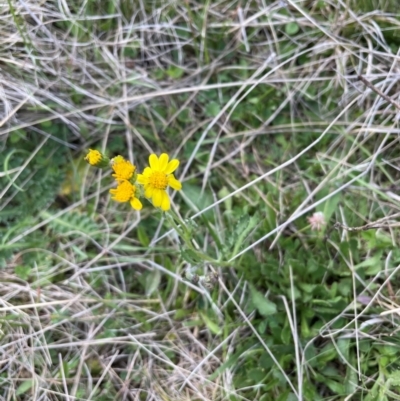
[(263, 305), (25, 386), (175, 72), (334, 386), (212, 109), (330, 206), (292, 28)]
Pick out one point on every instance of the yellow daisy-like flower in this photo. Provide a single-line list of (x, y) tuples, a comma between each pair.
[(126, 192), (123, 169), (157, 178), (96, 158)]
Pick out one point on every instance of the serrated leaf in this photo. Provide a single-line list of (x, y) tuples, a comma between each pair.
[(395, 378), (23, 272), (241, 231), (190, 256), (264, 306)]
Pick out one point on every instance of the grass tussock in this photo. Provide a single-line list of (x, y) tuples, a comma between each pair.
[(262, 104)]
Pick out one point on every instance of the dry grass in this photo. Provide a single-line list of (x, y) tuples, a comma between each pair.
[(102, 69)]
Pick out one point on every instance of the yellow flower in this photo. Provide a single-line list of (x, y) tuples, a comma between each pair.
[(117, 159), (156, 178), (96, 158), (125, 192), (123, 169)]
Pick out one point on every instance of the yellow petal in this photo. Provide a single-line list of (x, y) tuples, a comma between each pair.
[(136, 204), (174, 183), (147, 172), (165, 204), (153, 161), (157, 197), (172, 166), (149, 192), (141, 179), (93, 157), (163, 162), (124, 191)]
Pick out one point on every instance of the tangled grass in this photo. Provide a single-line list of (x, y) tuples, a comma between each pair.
[(263, 103)]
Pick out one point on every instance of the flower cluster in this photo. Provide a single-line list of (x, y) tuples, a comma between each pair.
[(153, 182), (317, 221)]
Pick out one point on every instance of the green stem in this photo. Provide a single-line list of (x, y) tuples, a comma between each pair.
[(186, 235)]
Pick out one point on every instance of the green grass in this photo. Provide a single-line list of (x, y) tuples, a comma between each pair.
[(261, 103)]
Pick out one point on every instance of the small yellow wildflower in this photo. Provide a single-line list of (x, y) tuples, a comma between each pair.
[(126, 192), (123, 169), (156, 178), (96, 158)]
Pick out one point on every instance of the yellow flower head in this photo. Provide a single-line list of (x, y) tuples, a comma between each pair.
[(157, 178), (96, 158), (117, 159), (126, 192), (123, 169)]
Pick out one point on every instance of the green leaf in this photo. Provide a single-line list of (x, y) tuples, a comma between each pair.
[(389, 350), (305, 328), (212, 326), (23, 272), (228, 202), (230, 361), (25, 386), (351, 381), (270, 218), (212, 109), (199, 199), (264, 306), (175, 72), (190, 256), (334, 386), (292, 397), (152, 281), (241, 231), (256, 375), (330, 206), (292, 28), (394, 378), (143, 238), (383, 238), (286, 334)]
